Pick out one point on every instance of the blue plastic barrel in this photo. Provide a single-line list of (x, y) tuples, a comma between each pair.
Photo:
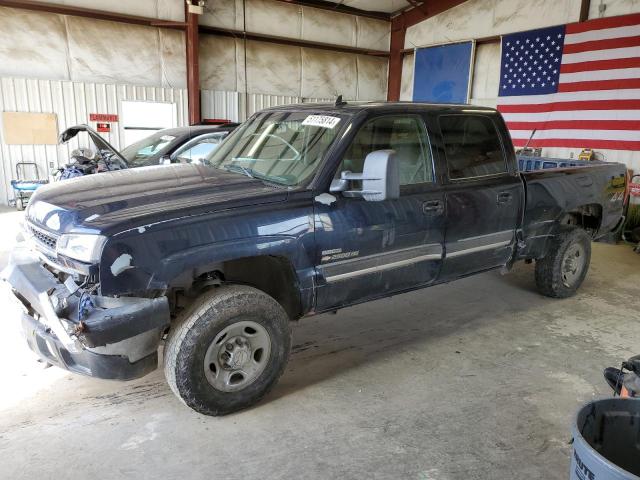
[(606, 441)]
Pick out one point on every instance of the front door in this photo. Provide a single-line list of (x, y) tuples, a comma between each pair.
[(368, 249), (483, 198)]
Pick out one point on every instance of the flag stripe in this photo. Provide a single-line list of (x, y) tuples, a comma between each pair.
[(591, 35), (576, 124), (603, 23), (591, 105), (578, 143), (600, 85), (625, 135), (608, 44), (628, 52), (600, 75), (581, 96), (604, 115), (600, 65)]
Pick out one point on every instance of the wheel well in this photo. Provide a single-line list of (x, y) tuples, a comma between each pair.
[(588, 217), (274, 275)]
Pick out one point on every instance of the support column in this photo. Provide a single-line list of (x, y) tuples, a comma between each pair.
[(193, 67), (398, 31)]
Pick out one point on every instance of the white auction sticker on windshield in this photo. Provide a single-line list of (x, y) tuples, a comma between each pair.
[(323, 121)]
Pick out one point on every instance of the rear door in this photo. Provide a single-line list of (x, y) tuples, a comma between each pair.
[(484, 195), (368, 249)]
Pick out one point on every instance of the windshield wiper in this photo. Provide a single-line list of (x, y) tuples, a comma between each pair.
[(240, 169), (253, 174)]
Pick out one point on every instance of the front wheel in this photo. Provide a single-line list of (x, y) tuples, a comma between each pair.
[(561, 272), (228, 350)]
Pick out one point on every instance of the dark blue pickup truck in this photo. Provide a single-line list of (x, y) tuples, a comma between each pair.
[(303, 209)]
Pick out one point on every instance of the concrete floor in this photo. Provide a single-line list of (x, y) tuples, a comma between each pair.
[(478, 379)]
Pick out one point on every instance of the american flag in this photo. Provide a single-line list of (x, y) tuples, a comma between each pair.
[(578, 85)]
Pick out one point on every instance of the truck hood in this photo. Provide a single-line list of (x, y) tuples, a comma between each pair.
[(114, 201)]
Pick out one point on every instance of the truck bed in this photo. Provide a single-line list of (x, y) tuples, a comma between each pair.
[(591, 190), (528, 163)]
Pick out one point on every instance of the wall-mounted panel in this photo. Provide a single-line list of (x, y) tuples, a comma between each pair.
[(485, 18), (274, 18), (372, 78), (223, 14), (280, 19), (172, 56), (218, 63), (328, 27), (162, 9), (373, 34), (273, 69), (406, 85), (113, 52), (486, 75), (32, 44), (327, 74), (613, 8)]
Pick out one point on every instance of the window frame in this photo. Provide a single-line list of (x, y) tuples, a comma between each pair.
[(193, 142), (507, 170), (428, 148)]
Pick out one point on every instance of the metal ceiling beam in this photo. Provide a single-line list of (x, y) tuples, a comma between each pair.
[(291, 41), (340, 8), (399, 25), (91, 13)]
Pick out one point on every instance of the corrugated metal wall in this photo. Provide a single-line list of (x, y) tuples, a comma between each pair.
[(72, 103), (237, 107)]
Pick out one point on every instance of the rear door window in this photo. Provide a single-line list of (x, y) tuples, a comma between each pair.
[(472, 146)]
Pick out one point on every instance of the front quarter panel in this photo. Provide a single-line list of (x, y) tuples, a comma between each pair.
[(152, 257)]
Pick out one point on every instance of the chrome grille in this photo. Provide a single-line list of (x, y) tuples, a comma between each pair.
[(47, 240)]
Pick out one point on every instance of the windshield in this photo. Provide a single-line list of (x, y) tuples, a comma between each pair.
[(148, 150), (281, 147)]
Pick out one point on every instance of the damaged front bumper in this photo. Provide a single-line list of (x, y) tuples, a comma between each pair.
[(117, 339)]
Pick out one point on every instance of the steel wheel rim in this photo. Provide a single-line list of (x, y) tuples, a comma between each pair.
[(237, 356), (573, 264)]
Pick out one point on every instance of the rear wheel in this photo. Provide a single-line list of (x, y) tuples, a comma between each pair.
[(565, 267), (228, 350)]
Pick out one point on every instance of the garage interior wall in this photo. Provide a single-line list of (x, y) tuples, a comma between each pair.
[(491, 18), (74, 66)]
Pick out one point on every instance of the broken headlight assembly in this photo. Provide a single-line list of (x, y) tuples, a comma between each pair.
[(82, 247)]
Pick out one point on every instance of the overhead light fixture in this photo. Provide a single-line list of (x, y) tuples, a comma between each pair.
[(195, 6)]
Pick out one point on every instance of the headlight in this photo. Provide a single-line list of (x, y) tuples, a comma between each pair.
[(86, 248)]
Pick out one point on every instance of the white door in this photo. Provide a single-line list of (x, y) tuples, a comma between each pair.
[(141, 119)]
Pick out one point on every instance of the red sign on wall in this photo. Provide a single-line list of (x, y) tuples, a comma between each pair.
[(104, 127), (103, 117)]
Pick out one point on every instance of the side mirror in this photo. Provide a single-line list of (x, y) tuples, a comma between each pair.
[(165, 160), (380, 178)]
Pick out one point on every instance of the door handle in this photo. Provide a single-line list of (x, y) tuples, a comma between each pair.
[(434, 206), (504, 197)]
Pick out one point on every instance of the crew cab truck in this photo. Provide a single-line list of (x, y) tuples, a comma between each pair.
[(303, 209)]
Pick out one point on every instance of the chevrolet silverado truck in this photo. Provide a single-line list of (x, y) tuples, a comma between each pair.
[(303, 209)]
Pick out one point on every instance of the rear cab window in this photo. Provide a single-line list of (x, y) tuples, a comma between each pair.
[(472, 146)]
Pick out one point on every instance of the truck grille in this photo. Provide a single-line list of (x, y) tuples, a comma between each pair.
[(43, 238)]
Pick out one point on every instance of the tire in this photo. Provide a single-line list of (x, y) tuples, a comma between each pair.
[(562, 271), (201, 338)]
